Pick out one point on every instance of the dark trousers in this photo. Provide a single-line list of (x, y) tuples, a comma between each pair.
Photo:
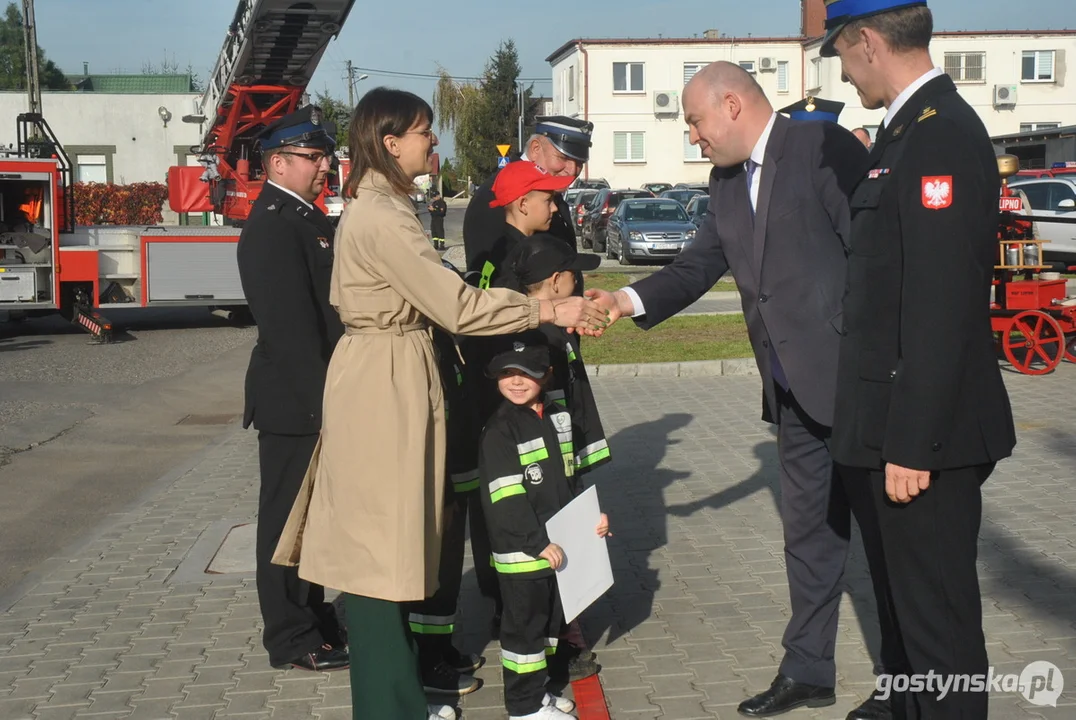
[(385, 680), (532, 621), (297, 619), (433, 620), (817, 524), (437, 227), (927, 568)]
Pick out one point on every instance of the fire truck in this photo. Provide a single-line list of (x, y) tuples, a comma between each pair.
[(270, 53)]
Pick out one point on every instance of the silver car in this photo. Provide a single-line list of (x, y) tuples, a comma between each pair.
[(1052, 197), (648, 229)]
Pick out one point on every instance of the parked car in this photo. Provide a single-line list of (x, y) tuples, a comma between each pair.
[(696, 208), (590, 183), (703, 186), (1053, 197), (657, 188), (648, 229), (578, 207), (598, 212), (681, 195)]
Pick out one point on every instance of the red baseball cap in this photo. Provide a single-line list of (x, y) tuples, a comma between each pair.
[(521, 177)]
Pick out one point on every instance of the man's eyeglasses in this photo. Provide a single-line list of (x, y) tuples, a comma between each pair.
[(315, 158)]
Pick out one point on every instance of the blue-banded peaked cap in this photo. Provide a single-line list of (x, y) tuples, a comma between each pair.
[(812, 108), (306, 127), (569, 135), (841, 12)]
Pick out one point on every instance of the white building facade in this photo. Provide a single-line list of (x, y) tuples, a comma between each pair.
[(630, 89), (117, 138)]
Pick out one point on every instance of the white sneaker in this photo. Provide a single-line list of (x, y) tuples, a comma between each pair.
[(548, 712), (441, 712), (560, 703)]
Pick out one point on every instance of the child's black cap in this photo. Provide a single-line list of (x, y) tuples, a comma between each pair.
[(537, 257), (528, 352)]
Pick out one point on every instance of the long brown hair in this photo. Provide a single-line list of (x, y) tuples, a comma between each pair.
[(382, 112)]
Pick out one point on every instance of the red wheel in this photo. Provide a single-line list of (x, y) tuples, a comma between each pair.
[(1070, 349), (1034, 343)]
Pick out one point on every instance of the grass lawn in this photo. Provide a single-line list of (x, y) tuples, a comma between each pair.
[(613, 281), (678, 339)]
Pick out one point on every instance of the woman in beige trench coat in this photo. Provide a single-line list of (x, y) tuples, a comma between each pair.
[(368, 519)]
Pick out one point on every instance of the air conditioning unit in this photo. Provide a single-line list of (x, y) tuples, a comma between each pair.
[(767, 64), (666, 102), (1004, 95)]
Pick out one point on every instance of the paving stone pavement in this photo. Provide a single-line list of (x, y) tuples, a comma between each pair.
[(122, 627)]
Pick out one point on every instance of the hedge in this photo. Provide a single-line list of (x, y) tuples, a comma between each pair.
[(105, 204)]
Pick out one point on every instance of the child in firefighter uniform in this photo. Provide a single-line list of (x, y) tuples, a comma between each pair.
[(527, 471), (445, 670)]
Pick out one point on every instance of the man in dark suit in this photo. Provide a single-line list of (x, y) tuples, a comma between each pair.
[(778, 218), (561, 146), (285, 264), (922, 414)]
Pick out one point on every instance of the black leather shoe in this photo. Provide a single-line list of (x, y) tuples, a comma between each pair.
[(323, 659), (873, 709), (786, 694)]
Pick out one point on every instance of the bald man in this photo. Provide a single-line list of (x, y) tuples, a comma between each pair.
[(863, 136), (778, 218)]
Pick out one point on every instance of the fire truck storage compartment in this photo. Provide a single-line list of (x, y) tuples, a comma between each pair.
[(192, 266), (26, 236), (118, 258)]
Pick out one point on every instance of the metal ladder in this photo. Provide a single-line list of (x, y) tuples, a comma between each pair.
[(271, 42)]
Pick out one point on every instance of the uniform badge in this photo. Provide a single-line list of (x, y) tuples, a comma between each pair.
[(877, 173), (562, 421), (937, 192), (315, 116), (518, 346), (898, 130), (534, 474), (271, 207), (324, 242), (928, 112)]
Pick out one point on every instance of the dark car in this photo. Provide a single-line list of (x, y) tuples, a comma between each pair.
[(681, 195), (578, 206), (703, 186), (598, 212), (590, 184), (648, 229), (696, 208)]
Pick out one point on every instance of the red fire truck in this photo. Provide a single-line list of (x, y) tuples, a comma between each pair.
[(270, 53)]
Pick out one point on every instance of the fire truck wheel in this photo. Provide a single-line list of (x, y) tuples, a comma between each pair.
[(1034, 344)]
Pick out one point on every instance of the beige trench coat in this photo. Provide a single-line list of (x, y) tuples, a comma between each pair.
[(368, 517)]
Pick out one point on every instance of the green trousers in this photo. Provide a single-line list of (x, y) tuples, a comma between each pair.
[(385, 680)]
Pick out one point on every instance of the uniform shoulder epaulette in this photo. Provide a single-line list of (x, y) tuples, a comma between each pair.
[(928, 112)]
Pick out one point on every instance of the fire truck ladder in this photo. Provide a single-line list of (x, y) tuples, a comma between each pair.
[(270, 54)]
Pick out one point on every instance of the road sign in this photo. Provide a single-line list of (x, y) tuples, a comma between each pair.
[(503, 150), (502, 162)]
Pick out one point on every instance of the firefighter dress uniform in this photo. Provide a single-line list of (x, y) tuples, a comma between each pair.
[(918, 383), (285, 258), (526, 466)]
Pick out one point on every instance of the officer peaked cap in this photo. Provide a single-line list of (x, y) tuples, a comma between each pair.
[(569, 135), (306, 127), (841, 12)]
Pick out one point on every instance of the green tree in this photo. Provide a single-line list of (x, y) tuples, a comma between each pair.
[(450, 179), (336, 112), (485, 113), (13, 57)]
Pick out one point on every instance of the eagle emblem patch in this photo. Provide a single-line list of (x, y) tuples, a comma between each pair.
[(937, 192)]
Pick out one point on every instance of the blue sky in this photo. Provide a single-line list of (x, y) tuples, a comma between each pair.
[(122, 34)]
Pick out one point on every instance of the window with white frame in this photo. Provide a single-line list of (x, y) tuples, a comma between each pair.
[(93, 163), (571, 82), (966, 66), (814, 74), (692, 153), (627, 77), (782, 76), (1033, 127), (629, 147), (1037, 66), (748, 66), (690, 69)]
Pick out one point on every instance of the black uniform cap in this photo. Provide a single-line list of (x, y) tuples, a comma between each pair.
[(569, 135), (535, 258), (306, 127), (528, 352), (812, 108)]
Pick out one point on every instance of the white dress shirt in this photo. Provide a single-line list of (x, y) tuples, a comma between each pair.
[(912, 89), (758, 157)]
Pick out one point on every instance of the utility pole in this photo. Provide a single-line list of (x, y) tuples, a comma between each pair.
[(350, 86), (33, 80)]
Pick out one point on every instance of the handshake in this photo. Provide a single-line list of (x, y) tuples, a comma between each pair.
[(589, 315)]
